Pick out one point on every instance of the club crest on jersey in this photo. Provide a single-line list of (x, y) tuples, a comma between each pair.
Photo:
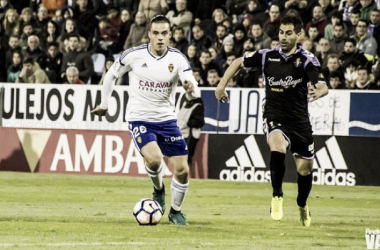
[(171, 67), (298, 62)]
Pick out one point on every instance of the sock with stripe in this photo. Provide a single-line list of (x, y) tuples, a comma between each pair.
[(179, 192), (156, 176)]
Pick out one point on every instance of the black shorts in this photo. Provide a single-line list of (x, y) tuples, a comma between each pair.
[(298, 135)]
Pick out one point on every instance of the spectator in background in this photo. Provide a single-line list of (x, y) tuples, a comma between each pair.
[(180, 16), (197, 76), (130, 5), (42, 19), (4, 7), (191, 54), (152, 8), (212, 78), (51, 6), (66, 13), (87, 23), (309, 45), (26, 17), (221, 33), (180, 39), (218, 15), (334, 18), (126, 21), (207, 64), (49, 35), (72, 75), (27, 30), (333, 66), (323, 50), (202, 9), (365, 41), (191, 119), (300, 6), (54, 62), (79, 58), (365, 81), (247, 21), (139, 30), (34, 51), (3, 69), (249, 44), (107, 65), (262, 40), (327, 7), (109, 40), (352, 54), (69, 28), (337, 42), (374, 27), (272, 24), (230, 58), (366, 8), (239, 39), (11, 23), (319, 20), (31, 72), (13, 45), (354, 18), (274, 43), (228, 45), (200, 39), (314, 35), (346, 7), (15, 68), (254, 8), (335, 82)]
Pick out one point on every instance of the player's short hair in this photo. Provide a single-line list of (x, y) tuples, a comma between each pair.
[(159, 19), (297, 23)]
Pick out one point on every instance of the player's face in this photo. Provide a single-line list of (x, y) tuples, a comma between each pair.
[(287, 37), (159, 35)]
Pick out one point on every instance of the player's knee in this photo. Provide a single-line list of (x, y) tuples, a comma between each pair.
[(182, 173), (154, 163)]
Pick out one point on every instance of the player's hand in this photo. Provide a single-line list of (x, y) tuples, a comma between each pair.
[(221, 94), (99, 111), (312, 93), (188, 86)]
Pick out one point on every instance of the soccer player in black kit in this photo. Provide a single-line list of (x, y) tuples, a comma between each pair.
[(292, 78)]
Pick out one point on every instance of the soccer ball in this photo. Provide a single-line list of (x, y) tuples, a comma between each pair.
[(147, 212)]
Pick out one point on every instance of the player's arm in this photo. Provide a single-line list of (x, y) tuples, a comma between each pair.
[(318, 87), (108, 84), (220, 92)]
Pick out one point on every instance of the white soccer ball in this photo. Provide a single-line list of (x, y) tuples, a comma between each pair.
[(147, 212)]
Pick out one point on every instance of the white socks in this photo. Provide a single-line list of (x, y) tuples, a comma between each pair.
[(179, 192), (156, 177)]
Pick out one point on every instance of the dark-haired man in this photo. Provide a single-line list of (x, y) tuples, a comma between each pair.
[(287, 71), (154, 71)]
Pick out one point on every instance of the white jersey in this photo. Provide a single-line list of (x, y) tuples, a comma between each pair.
[(152, 82)]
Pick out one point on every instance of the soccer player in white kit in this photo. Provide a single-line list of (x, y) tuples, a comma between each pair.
[(154, 71)]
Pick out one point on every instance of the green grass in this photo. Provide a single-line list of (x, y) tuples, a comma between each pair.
[(53, 211)]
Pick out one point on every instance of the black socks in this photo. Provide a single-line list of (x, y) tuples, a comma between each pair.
[(304, 188), (277, 171)]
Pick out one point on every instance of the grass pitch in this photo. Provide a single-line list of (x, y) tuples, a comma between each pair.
[(53, 211)]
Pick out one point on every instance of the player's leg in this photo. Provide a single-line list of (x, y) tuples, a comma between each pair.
[(154, 167), (143, 135), (278, 145), (304, 181), (179, 188)]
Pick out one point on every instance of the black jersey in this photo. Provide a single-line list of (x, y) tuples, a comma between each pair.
[(285, 78)]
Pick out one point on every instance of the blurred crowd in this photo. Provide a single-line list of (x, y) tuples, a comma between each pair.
[(76, 41)]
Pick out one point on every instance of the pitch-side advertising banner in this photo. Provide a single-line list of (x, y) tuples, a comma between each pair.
[(342, 112)]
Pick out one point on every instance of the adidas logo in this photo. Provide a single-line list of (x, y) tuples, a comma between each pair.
[(247, 164), (144, 65), (330, 168)]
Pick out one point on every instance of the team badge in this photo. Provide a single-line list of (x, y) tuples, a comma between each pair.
[(139, 140), (171, 67), (298, 62)]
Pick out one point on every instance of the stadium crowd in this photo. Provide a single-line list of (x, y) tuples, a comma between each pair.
[(64, 41)]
